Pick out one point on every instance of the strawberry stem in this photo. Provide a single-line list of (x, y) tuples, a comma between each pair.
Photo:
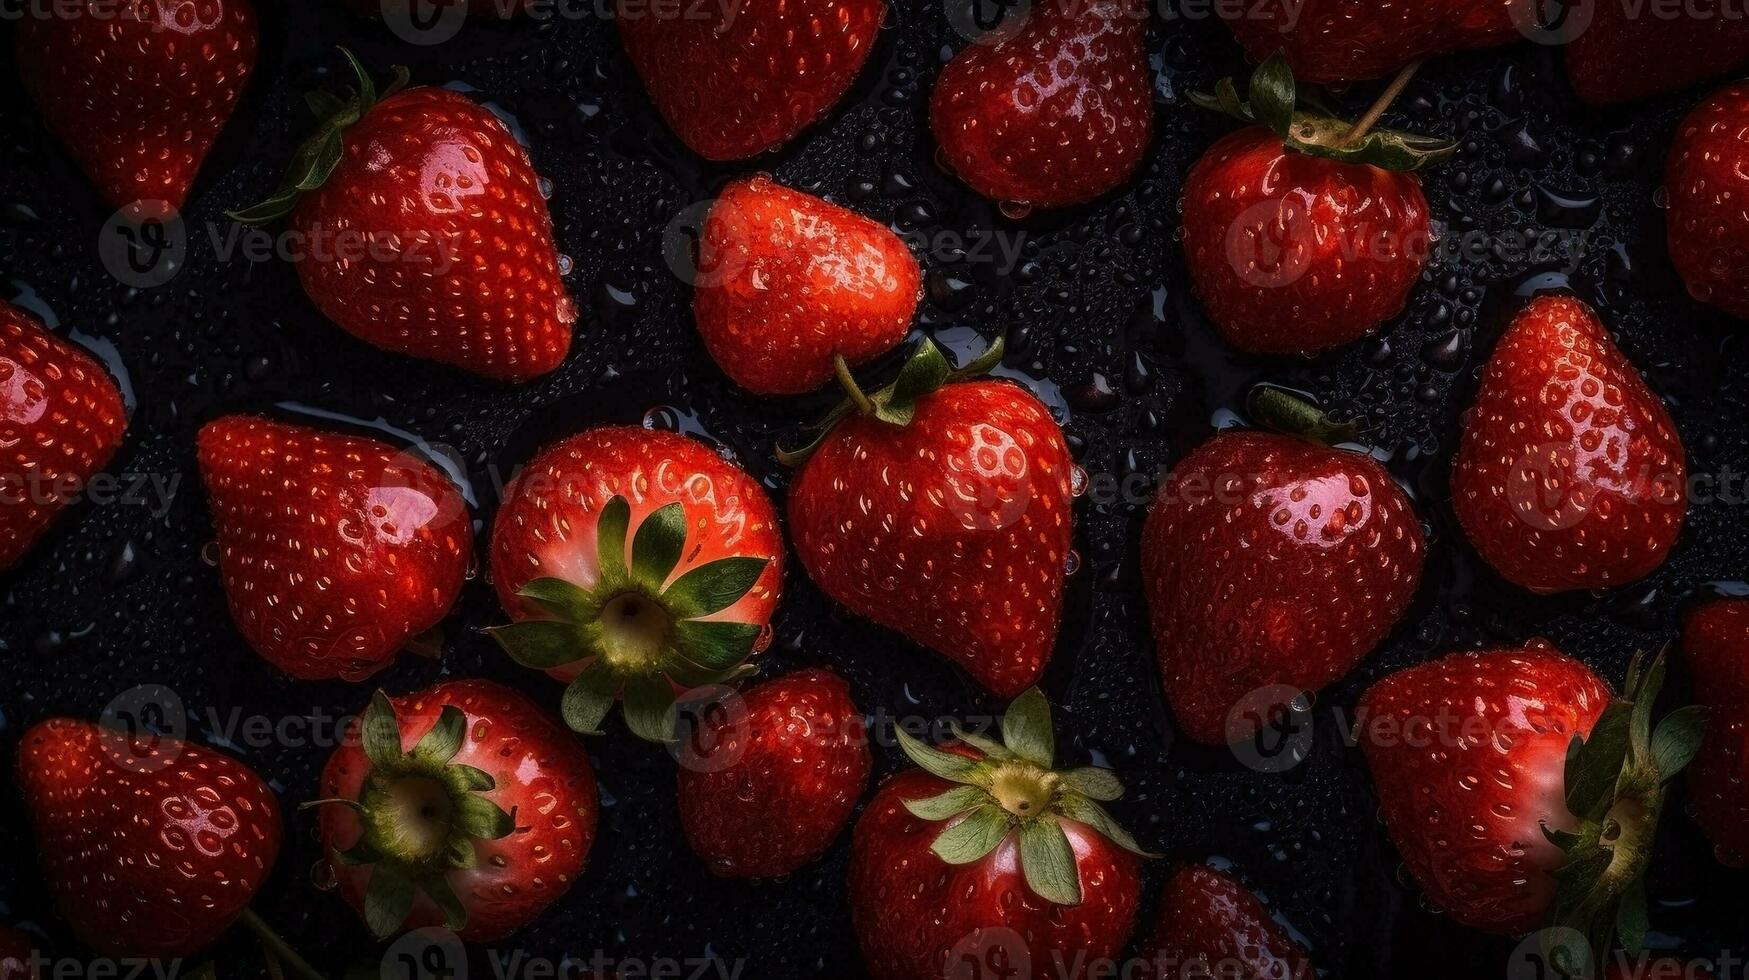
[(847, 381), (279, 947), (1390, 94)]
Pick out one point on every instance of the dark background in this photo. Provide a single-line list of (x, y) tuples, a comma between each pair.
[(1099, 322)]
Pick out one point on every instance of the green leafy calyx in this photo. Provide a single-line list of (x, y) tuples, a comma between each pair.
[(1009, 788), (640, 632), (1615, 785), (1306, 125)]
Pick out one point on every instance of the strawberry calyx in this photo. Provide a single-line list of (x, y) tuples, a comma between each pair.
[(926, 370), (1308, 125), (422, 816), (315, 160), (1615, 784), (1010, 788), (640, 637), (1280, 410)]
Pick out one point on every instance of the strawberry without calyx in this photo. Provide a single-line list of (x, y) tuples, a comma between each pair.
[(736, 80), (152, 847), (61, 419), (1299, 235), (1707, 178), (1716, 641), (942, 507), (1519, 794), (1050, 110), (425, 231), (461, 805), (1570, 474), (335, 550), (1272, 561), (1332, 41), (767, 783), (1210, 925), (987, 854), (635, 563), (1627, 53), (138, 91), (788, 281)]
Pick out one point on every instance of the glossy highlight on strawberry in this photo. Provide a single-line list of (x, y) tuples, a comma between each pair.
[(1210, 925), (1707, 178)]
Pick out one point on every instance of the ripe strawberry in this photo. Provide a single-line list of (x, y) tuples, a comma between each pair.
[(1328, 41), (138, 91), (1272, 561), (767, 783), (1518, 793), (335, 550), (683, 606), (1716, 640), (151, 846), (61, 419), (426, 232), (992, 859), (1210, 925), (1570, 474), (18, 955), (1706, 178), (944, 511), (1628, 53), (788, 282), (1053, 110), (737, 80), (1300, 237), (461, 805)]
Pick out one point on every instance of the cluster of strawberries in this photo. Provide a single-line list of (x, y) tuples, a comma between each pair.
[(635, 566)]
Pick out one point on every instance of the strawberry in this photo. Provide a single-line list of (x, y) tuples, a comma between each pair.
[(1570, 474), (788, 282), (767, 784), (1519, 794), (635, 563), (944, 511), (335, 550), (18, 955), (1268, 562), (987, 862), (735, 80), (61, 419), (425, 231), (151, 846), (1716, 639), (1210, 925), (1627, 53), (461, 805), (1052, 109), (1706, 178), (1304, 233), (138, 91), (1329, 41)]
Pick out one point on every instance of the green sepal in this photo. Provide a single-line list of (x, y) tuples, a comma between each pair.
[(480, 818), (610, 540), (1048, 862), (943, 765), (1282, 411), (972, 837), (991, 748), (1094, 783), (715, 645), (589, 698), (543, 643), (380, 734), (388, 898), (649, 709), (561, 599), (1084, 811), (960, 799), (658, 544), (1026, 729), (1677, 739), (436, 887), (714, 587), (443, 741)]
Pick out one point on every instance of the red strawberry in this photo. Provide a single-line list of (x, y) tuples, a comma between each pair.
[(992, 864), (335, 550), (1304, 234), (635, 562), (788, 282), (1627, 53), (1210, 925), (1352, 40), (1486, 796), (61, 419), (1716, 640), (461, 805), (18, 955), (1052, 110), (426, 232), (736, 80), (1570, 474), (138, 91), (1707, 178), (1271, 561), (151, 846), (770, 779), (944, 511)]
